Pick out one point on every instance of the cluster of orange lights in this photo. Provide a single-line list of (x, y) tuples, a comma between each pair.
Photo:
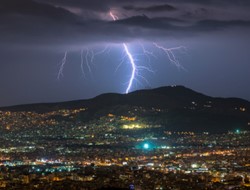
[(132, 126), (124, 118), (219, 152), (242, 109)]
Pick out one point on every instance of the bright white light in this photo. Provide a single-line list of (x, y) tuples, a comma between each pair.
[(194, 165), (146, 146)]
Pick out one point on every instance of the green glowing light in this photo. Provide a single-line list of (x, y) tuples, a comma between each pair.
[(146, 146)]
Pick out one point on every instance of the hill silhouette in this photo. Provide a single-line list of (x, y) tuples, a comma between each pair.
[(181, 109)]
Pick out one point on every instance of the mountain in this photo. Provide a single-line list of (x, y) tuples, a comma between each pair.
[(173, 107)]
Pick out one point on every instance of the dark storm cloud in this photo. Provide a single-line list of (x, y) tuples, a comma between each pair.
[(219, 2), (36, 22), (94, 5), (155, 8), (212, 25), (106, 5), (144, 21), (27, 21), (32, 8), (34, 34), (165, 23)]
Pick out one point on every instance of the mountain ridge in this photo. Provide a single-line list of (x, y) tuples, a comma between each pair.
[(179, 93), (171, 107)]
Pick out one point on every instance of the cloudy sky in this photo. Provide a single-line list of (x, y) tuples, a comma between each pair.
[(210, 41)]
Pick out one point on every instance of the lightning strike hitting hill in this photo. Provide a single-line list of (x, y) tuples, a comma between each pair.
[(169, 52), (131, 60), (135, 75)]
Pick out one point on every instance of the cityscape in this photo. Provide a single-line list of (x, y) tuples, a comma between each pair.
[(126, 149)]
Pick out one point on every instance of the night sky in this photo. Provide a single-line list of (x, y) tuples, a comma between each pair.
[(35, 34)]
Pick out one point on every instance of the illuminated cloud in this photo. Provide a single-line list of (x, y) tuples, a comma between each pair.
[(66, 23)]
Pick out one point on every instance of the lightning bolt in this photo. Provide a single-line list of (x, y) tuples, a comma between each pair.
[(105, 50), (114, 17), (82, 63), (89, 57), (147, 53), (60, 72), (135, 76), (130, 57), (133, 65), (170, 53)]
